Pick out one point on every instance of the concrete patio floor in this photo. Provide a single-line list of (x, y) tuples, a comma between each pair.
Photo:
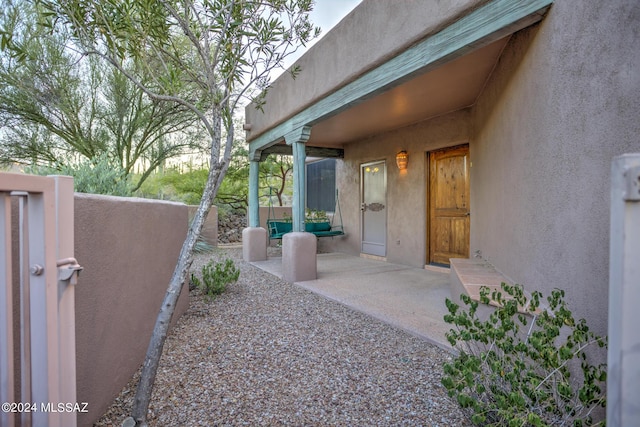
[(409, 298)]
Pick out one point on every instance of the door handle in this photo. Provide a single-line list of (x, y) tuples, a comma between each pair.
[(374, 207)]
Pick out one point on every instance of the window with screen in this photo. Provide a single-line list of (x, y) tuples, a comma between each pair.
[(321, 185)]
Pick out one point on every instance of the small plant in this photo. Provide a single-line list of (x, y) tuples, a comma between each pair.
[(512, 373), (216, 277), (203, 247), (312, 215)]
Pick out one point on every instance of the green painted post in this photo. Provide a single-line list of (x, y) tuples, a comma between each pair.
[(299, 193), (254, 200), (297, 140)]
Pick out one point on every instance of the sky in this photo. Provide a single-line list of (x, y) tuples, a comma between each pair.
[(325, 14)]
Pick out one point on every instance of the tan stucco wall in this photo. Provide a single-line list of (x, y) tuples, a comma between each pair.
[(128, 248), (210, 228), (562, 102), (406, 192), (275, 212), (372, 33)]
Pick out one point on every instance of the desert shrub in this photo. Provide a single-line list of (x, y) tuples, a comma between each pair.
[(100, 175), (515, 368), (216, 277)]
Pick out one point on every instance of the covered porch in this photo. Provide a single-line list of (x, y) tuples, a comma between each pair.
[(436, 65)]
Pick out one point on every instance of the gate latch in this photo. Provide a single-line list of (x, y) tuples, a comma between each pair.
[(68, 270)]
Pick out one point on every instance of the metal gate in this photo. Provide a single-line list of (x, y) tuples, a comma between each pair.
[(38, 272)]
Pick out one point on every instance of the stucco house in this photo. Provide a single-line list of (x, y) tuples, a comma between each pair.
[(509, 113)]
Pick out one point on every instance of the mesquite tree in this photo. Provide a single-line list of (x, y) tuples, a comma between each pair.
[(61, 110), (204, 55)]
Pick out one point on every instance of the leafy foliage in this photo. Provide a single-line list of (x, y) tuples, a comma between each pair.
[(57, 104), (188, 186), (515, 368), (100, 175), (216, 277), (207, 56), (315, 215), (233, 194), (275, 177)]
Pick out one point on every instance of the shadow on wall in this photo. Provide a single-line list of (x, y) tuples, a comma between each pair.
[(128, 248), (210, 229)]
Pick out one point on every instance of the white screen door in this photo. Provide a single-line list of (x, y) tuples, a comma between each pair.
[(373, 206)]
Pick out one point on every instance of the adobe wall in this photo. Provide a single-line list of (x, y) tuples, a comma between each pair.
[(278, 212), (393, 26), (562, 102), (210, 228), (406, 191), (128, 248)]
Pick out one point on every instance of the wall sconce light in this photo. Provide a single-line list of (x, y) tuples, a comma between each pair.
[(402, 160)]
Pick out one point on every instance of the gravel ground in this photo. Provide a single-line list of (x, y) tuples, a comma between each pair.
[(268, 353)]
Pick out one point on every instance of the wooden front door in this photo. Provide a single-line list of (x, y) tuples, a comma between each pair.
[(448, 205)]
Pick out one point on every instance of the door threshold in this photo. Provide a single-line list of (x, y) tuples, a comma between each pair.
[(374, 257), (438, 268)]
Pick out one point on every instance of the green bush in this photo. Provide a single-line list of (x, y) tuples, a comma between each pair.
[(186, 187), (216, 277), (515, 369), (100, 175)]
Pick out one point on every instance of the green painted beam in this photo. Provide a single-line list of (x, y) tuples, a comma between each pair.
[(490, 22)]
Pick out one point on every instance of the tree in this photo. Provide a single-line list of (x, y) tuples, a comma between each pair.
[(59, 107), (234, 190), (203, 55), (275, 174), (188, 186)]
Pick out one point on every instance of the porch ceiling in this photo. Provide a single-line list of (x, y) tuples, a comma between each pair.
[(453, 86), (443, 73)]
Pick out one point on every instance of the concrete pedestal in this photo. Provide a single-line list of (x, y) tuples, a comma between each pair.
[(299, 262), (254, 244)]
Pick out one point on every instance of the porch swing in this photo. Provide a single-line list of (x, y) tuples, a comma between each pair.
[(279, 227)]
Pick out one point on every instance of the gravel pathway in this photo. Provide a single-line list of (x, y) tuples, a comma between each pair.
[(268, 353)]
